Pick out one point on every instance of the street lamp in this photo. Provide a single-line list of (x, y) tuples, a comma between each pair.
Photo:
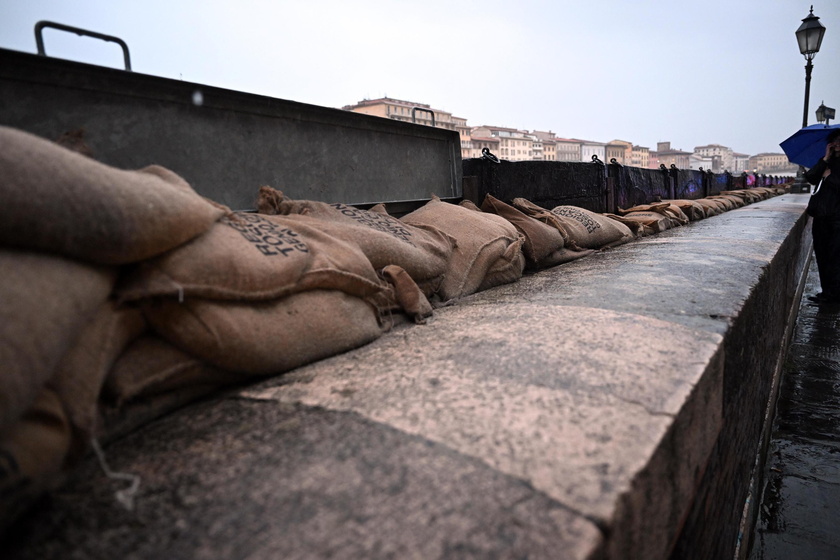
[(824, 113), (809, 36)]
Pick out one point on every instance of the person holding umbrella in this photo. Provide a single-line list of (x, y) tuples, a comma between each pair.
[(824, 207)]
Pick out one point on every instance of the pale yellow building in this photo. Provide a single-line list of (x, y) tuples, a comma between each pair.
[(418, 113), (514, 144), (621, 151), (771, 164), (640, 157)]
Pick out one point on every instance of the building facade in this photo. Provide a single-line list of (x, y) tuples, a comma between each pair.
[(771, 164), (668, 156), (722, 154), (521, 145)]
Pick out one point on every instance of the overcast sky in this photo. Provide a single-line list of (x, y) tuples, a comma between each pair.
[(689, 72)]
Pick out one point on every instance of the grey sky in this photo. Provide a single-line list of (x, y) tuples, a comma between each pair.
[(693, 73)]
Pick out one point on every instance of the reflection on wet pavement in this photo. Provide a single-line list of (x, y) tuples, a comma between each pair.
[(799, 515)]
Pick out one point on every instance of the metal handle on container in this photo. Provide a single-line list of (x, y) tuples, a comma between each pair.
[(39, 39), (414, 114)]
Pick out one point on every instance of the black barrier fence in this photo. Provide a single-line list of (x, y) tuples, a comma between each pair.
[(595, 186), (545, 183)]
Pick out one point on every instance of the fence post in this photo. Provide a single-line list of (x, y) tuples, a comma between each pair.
[(674, 176)]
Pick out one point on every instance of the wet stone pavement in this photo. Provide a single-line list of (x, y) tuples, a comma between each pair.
[(799, 514)]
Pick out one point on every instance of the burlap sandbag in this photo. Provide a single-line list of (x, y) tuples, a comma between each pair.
[(712, 207), (488, 251), (469, 205), (266, 337), (544, 245), (673, 211), (749, 196), (45, 301), (409, 297), (255, 257), (638, 228), (765, 192), (55, 200), (423, 252), (581, 229), (692, 209), (656, 221), (80, 375), (152, 378), (32, 455), (150, 366), (731, 202)]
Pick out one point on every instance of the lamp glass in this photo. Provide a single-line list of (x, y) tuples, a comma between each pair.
[(810, 35)]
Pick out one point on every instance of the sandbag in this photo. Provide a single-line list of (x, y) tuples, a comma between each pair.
[(673, 211), (45, 301), (731, 202), (409, 297), (469, 205), (656, 221), (55, 200), (712, 207), (32, 455), (747, 196), (488, 249), (80, 375), (254, 257), (423, 252), (266, 337), (152, 378), (581, 229), (543, 245), (150, 366), (692, 209), (638, 228)]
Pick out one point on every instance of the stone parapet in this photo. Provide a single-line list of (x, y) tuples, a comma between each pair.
[(611, 407)]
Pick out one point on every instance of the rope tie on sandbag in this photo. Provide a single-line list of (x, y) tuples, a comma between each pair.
[(125, 497)]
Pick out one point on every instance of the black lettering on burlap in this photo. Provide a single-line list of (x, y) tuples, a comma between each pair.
[(267, 237), (376, 221), (575, 214)]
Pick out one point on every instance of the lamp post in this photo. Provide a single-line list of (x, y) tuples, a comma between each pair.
[(809, 36), (824, 113)]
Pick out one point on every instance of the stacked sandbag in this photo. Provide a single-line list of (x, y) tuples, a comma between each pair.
[(230, 296), (151, 378), (652, 222), (638, 228), (581, 229), (33, 451), (747, 196), (422, 251), (46, 301), (487, 252), (672, 211), (543, 245), (58, 201), (66, 221), (729, 201), (712, 207), (692, 209)]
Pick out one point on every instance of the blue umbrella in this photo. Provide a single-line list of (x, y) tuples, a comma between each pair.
[(807, 145)]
